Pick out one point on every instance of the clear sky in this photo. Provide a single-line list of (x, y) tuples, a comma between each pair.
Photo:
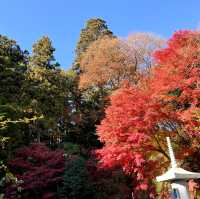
[(27, 20)]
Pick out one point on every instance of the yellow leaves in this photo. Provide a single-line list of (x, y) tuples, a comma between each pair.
[(3, 141), (69, 73), (9, 177), (28, 120), (37, 73), (4, 122)]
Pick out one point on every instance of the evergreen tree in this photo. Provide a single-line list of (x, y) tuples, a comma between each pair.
[(13, 65), (42, 54), (88, 105)]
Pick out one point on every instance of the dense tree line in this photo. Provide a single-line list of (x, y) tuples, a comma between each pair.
[(97, 129)]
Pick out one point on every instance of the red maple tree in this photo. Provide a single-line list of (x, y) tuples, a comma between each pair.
[(164, 104)]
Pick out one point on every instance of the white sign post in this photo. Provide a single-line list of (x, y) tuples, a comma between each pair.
[(177, 176)]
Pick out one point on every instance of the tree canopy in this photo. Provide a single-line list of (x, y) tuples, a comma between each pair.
[(98, 129)]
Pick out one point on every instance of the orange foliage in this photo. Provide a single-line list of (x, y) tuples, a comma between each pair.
[(110, 60), (107, 62)]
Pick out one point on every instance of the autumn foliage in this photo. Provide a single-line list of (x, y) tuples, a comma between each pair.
[(39, 169), (119, 101), (107, 62), (141, 116)]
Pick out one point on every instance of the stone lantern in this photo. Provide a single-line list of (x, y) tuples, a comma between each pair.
[(177, 176)]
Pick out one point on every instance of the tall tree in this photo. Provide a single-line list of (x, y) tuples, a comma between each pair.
[(46, 91), (84, 118), (42, 54), (94, 29)]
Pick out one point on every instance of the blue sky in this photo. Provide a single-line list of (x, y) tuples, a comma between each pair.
[(27, 20)]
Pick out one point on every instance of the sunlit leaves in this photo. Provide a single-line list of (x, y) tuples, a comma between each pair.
[(163, 104)]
